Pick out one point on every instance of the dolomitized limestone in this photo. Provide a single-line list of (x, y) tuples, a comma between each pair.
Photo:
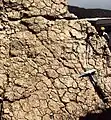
[(43, 50)]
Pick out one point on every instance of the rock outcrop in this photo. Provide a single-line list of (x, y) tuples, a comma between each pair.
[(43, 50)]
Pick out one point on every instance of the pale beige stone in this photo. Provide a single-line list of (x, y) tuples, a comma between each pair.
[(51, 73), (42, 54)]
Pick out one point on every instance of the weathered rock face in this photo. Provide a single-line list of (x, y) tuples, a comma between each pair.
[(15, 9), (41, 59)]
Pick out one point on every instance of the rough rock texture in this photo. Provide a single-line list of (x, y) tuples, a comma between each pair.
[(41, 58)]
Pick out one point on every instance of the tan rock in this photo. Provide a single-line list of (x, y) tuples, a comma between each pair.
[(51, 73), (43, 51)]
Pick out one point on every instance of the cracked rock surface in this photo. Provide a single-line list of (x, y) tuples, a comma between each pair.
[(42, 54)]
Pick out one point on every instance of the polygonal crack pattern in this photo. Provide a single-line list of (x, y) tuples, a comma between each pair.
[(15, 9), (41, 60)]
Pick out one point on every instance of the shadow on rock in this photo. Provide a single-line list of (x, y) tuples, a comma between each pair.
[(105, 115)]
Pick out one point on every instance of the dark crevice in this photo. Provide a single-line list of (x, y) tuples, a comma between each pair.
[(13, 19), (27, 25), (12, 55), (104, 115), (48, 17), (17, 99), (1, 110)]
